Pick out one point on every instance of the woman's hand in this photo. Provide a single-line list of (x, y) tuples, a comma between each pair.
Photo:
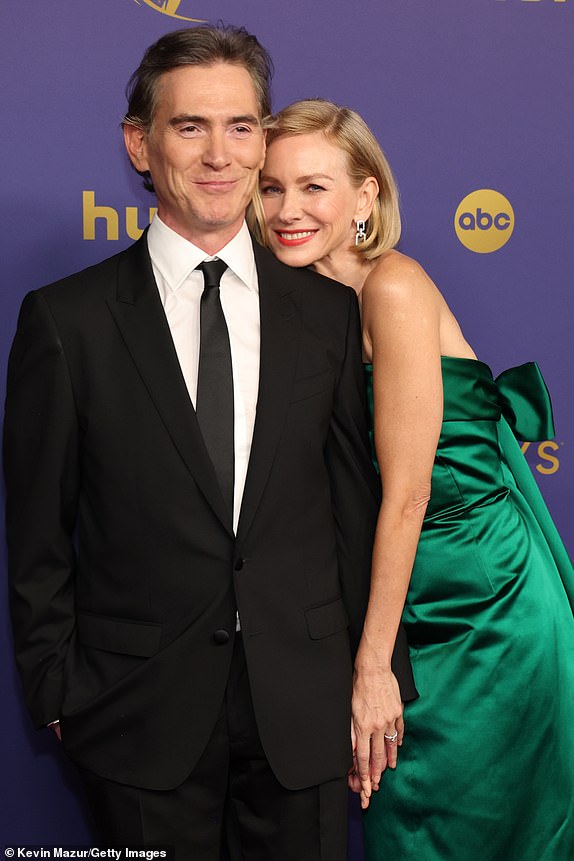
[(377, 726), (353, 776)]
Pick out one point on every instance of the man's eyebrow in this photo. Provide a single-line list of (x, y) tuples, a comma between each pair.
[(186, 118), (250, 119), (245, 118)]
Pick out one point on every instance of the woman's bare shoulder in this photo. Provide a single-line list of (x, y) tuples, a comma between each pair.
[(397, 277), (397, 289)]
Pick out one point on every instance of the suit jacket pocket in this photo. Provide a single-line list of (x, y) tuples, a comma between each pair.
[(125, 637), (326, 619), (307, 387)]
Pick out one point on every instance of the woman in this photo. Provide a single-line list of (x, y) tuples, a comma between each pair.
[(465, 551)]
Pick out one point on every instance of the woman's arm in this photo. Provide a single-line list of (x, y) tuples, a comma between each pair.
[(401, 328)]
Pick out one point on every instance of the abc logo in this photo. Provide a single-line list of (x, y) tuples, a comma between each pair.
[(484, 221)]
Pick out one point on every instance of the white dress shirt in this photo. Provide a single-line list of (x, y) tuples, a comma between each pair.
[(174, 260)]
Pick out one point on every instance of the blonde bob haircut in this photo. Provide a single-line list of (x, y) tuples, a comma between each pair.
[(346, 129)]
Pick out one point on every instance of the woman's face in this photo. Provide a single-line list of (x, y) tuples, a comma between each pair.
[(309, 202)]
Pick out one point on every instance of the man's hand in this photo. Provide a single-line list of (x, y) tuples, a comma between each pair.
[(378, 728)]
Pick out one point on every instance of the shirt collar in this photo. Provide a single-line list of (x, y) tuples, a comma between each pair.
[(176, 257)]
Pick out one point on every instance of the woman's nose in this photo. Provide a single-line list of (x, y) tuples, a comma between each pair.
[(290, 209)]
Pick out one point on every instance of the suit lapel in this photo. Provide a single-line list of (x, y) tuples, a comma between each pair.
[(280, 328), (140, 317)]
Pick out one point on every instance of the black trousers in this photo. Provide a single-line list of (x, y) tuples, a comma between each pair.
[(231, 802)]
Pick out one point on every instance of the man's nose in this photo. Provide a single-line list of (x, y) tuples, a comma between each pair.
[(216, 152)]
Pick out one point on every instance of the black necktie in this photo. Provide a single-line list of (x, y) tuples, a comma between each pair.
[(214, 406)]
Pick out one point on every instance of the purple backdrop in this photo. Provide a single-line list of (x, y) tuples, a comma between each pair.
[(463, 96)]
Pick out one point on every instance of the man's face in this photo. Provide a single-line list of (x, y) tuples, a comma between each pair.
[(204, 151)]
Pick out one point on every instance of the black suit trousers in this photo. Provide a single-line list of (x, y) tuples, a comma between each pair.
[(231, 804)]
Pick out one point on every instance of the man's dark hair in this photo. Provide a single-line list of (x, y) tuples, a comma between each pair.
[(197, 46)]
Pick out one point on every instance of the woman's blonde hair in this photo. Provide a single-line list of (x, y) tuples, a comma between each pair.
[(365, 158)]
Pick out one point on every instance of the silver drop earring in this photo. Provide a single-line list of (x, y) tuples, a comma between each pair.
[(361, 234)]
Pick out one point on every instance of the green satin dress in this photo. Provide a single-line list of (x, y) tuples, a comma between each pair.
[(486, 770)]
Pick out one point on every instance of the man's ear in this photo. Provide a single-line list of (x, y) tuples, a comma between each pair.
[(264, 149), (135, 140)]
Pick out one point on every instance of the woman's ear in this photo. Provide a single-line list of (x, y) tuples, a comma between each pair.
[(366, 198)]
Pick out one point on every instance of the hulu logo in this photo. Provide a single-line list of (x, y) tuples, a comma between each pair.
[(107, 219)]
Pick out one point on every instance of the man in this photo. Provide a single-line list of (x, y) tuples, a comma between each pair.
[(191, 502)]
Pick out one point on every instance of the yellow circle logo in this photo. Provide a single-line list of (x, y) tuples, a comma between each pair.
[(169, 7), (484, 221)]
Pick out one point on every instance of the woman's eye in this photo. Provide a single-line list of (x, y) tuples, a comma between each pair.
[(314, 187), (270, 189)]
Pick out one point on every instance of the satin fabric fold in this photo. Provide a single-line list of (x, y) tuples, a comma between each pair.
[(486, 771), (525, 402)]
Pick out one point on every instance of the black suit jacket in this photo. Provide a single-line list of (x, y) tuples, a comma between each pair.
[(125, 572)]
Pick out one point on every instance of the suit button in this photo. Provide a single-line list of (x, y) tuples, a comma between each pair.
[(239, 565), (221, 636)]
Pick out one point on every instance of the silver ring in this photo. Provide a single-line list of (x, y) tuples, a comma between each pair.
[(392, 738)]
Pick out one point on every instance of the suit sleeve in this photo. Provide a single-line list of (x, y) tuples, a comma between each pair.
[(41, 472), (355, 491)]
